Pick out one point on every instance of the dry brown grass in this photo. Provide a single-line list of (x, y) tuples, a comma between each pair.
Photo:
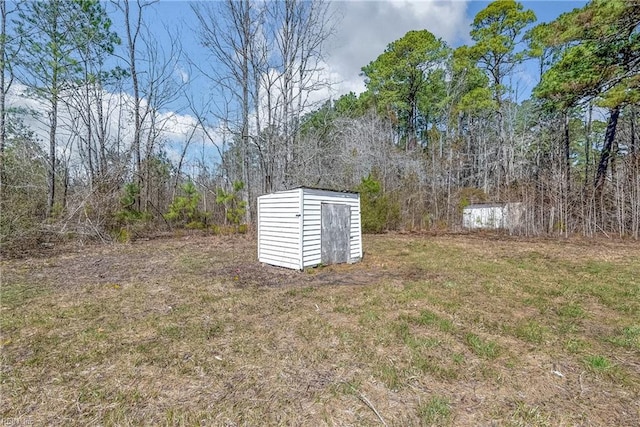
[(427, 330)]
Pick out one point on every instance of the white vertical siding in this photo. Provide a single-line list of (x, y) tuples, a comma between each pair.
[(507, 215), (311, 239), (483, 217), (279, 220)]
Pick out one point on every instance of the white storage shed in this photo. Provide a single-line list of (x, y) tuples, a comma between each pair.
[(305, 227)]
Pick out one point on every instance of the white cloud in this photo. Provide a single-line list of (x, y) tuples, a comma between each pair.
[(365, 28), (175, 129)]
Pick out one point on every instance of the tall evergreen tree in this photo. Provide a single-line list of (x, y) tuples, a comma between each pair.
[(407, 79), (497, 31), (600, 61), (54, 33)]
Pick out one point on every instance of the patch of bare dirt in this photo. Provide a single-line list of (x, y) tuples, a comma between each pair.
[(231, 259)]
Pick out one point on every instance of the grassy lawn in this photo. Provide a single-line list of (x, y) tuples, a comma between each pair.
[(427, 330)]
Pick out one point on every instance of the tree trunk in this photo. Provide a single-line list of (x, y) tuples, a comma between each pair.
[(90, 150), (606, 153), (501, 159), (148, 162), (131, 41), (3, 134), (246, 39), (567, 152), (51, 178), (632, 143), (53, 124), (102, 136), (65, 188), (412, 142), (635, 178), (587, 146)]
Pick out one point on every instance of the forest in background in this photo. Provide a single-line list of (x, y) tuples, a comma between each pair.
[(438, 128)]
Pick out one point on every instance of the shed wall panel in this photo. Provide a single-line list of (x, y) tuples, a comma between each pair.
[(312, 204), (279, 229)]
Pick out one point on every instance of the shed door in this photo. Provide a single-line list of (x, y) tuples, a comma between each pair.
[(336, 227)]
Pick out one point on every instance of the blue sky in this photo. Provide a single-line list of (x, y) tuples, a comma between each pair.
[(363, 30)]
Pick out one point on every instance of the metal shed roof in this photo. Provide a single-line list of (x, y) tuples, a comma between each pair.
[(486, 205), (304, 187)]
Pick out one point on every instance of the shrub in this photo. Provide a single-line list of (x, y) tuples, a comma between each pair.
[(378, 212), (184, 209), (128, 212), (234, 208)]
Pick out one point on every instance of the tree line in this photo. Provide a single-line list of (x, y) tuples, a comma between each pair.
[(436, 129)]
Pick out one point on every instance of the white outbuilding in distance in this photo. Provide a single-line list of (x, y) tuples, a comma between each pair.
[(509, 216)]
